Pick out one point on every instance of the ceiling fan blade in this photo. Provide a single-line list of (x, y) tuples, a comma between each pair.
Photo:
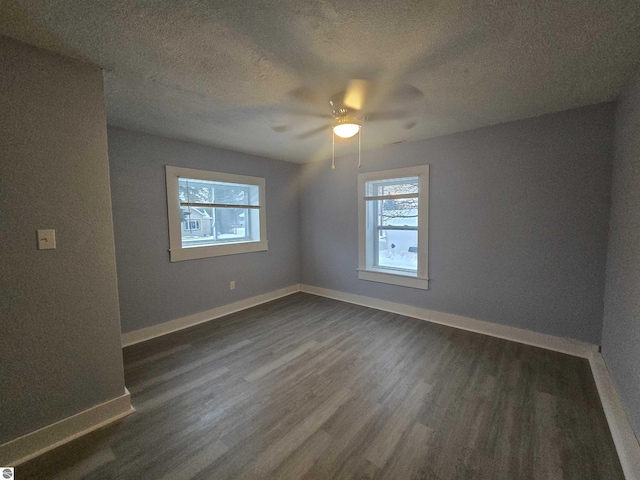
[(356, 93), (281, 128), (311, 133), (311, 114), (307, 95), (456, 48), (388, 115), (406, 93)]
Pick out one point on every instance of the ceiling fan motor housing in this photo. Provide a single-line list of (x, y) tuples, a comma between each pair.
[(337, 105)]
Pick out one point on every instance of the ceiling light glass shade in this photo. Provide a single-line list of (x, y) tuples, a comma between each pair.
[(346, 127)]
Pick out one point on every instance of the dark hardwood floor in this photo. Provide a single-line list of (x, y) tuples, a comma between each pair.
[(311, 388)]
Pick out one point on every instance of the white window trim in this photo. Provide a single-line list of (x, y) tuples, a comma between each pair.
[(177, 253), (366, 270)]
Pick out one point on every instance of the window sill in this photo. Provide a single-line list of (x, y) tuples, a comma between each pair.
[(192, 253), (400, 279)]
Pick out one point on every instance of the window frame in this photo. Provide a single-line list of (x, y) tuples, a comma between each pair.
[(366, 231), (179, 253)]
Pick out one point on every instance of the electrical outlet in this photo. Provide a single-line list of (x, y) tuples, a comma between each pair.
[(232, 285)]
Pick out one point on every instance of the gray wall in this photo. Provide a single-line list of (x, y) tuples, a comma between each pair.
[(60, 327), (154, 290), (518, 222), (621, 330)]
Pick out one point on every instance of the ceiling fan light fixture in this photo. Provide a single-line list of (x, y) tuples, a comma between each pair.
[(346, 127)]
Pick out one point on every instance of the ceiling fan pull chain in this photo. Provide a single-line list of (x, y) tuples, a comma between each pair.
[(333, 150), (359, 146)]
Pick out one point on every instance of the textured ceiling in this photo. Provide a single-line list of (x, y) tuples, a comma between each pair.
[(223, 72)]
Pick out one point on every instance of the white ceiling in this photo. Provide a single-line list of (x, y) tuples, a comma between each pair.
[(223, 72)]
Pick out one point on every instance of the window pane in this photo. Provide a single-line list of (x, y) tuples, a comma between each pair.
[(397, 249), (231, 224), (204, 191), (397, 212), (392, 186), (215, 226)]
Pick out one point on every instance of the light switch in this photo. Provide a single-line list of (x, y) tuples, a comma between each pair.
[(46, 239)]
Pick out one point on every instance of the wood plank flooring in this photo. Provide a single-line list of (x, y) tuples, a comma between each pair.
[(311, 388)]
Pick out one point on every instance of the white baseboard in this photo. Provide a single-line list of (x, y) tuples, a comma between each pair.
[(36, 443), (623, 437), (171, 326), (549, 342)]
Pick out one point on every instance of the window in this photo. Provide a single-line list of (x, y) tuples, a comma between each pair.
[(393, 226), (212, 214), (191, 225)]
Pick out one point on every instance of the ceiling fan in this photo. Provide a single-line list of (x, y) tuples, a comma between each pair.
[(349, 109)]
